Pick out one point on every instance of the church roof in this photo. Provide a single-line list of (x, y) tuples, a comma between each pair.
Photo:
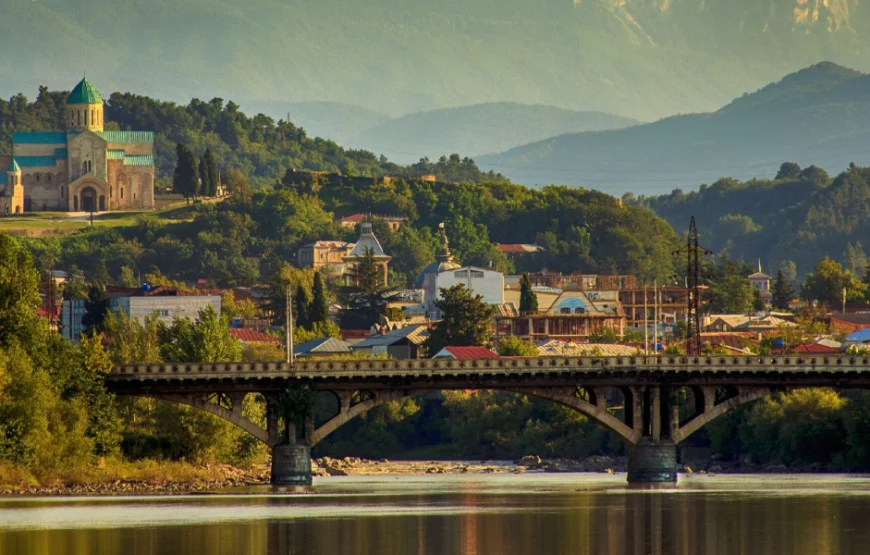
[(84, 93), (367, 242), (125, 137), (39, 138), (35, 161), (13, 166)]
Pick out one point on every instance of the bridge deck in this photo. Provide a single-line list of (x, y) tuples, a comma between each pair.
[(808, 370)]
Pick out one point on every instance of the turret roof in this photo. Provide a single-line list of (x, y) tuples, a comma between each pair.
[(84, 93), (13, 166)]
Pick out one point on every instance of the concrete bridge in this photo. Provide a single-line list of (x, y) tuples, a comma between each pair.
[(665, 398)]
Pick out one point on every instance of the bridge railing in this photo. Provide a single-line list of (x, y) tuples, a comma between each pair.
[(506, 365)]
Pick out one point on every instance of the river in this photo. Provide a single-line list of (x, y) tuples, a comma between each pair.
[(498, 514)]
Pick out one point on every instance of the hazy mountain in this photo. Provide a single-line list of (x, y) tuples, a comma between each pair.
[(819, 115), (640, 58), (478, 129), (332, 120)]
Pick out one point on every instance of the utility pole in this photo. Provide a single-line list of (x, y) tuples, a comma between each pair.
[(693, 291), (645, 323), (656, 316), (288, 314)]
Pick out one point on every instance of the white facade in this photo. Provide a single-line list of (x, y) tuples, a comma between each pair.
[(487, 283)]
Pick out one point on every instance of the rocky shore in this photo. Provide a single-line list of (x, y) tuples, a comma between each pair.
[(352, 466)]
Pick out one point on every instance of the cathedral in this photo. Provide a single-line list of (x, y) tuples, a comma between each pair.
[(81, 169)]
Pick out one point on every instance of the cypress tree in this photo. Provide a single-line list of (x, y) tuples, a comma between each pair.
[(782, 291), (301, 308), (205, 186), (212, 173), (185, 179), (318, 309), (528, 298)]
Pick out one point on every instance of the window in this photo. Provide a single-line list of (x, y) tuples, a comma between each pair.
[(61, 191), (579, 310), (460, 275), (476, 274), (122, 192), (38, 177), (92, 117), (163, 313), (111, 190), (565, 310), (48, 177), (79, 112), (86, 117)]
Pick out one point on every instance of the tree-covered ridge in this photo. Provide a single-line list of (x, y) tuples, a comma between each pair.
[(259, 146), (801, 216)]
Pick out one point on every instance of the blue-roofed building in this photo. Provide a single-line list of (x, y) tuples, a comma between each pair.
[(83, 168)]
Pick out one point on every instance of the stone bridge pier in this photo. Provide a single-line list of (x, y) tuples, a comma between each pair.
[(653, 459)]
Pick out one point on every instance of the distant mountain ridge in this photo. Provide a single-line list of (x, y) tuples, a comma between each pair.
[(640, 58), (475, 130), (819, 115)]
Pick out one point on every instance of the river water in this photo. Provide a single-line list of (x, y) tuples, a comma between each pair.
[(498, 514)]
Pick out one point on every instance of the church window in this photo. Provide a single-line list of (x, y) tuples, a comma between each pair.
[(86, 117), (61, 191), (38, 177), (48, 177), (92, 117), (111, 190), (122, 192), (79, 112)]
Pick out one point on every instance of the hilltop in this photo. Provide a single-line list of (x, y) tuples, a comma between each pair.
[(819, 115)]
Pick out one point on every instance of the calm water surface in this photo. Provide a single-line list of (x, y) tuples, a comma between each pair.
[(530, 514)]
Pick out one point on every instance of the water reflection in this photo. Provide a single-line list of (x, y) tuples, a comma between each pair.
[(472, 522)]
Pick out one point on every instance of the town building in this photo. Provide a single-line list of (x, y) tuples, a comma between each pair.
[(393, 222), (83, 168), (250, 336), (672, 305), (573, 316), (324, 256), (137, 304), (365, 245), (761, 281), (403, 343)]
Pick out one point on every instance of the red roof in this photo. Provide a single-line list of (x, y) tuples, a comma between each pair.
[(353, 218), (247, 335), (511, 249), (466, 353), (355, 334), (815, 349)]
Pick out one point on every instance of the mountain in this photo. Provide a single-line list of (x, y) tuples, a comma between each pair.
[(819, 115), (641, 58), (334, 120), (478, 129)]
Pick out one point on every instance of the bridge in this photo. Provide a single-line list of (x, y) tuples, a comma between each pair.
[(665, 398)]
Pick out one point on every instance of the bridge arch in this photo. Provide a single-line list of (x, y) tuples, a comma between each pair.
[(713, 411), (232, 415)]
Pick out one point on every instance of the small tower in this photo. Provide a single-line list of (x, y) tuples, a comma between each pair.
[(14, 193), (84, 108)]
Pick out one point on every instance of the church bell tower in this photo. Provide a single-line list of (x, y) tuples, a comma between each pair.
[(84, 108)]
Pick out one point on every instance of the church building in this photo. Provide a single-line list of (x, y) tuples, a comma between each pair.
[(80, 169)]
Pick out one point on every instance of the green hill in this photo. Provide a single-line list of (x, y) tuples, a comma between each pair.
[(334, 120), (478, 129), (819, 115), (640, 58)]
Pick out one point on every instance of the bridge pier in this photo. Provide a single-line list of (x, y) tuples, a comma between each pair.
[(291, 465), (654, 459)]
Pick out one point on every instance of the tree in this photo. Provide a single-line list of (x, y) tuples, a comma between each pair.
[(238, 185), (19, 293), (513, 346), (528, 298), (208, 174), (185, 180), (204, 185), (758, 303), (789, 270), (96, 308), (206, 340), (789, 170), (301, 307), (827, 282), (465, 320), (319, 307), (365, 299), (783, 292), (729, 295), (855, 259)]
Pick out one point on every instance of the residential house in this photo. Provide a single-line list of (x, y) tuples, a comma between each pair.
[(574, 316), (367, 243), (325, 256), (848, 323), (248, 336), (403, 343), (325, 346), (393, 222), (558, 348), (138, 303)]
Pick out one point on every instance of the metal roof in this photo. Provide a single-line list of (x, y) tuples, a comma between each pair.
[(126, 137), (3, 179), (61, 153), (13, 166), (324, 346), (36, 161), (39, 138), (465, 353), (115, 154), (414, 334), (139, 160), (84, 93)]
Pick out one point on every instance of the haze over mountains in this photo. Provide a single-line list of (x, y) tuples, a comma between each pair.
[(819, 115), (638, 58)]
